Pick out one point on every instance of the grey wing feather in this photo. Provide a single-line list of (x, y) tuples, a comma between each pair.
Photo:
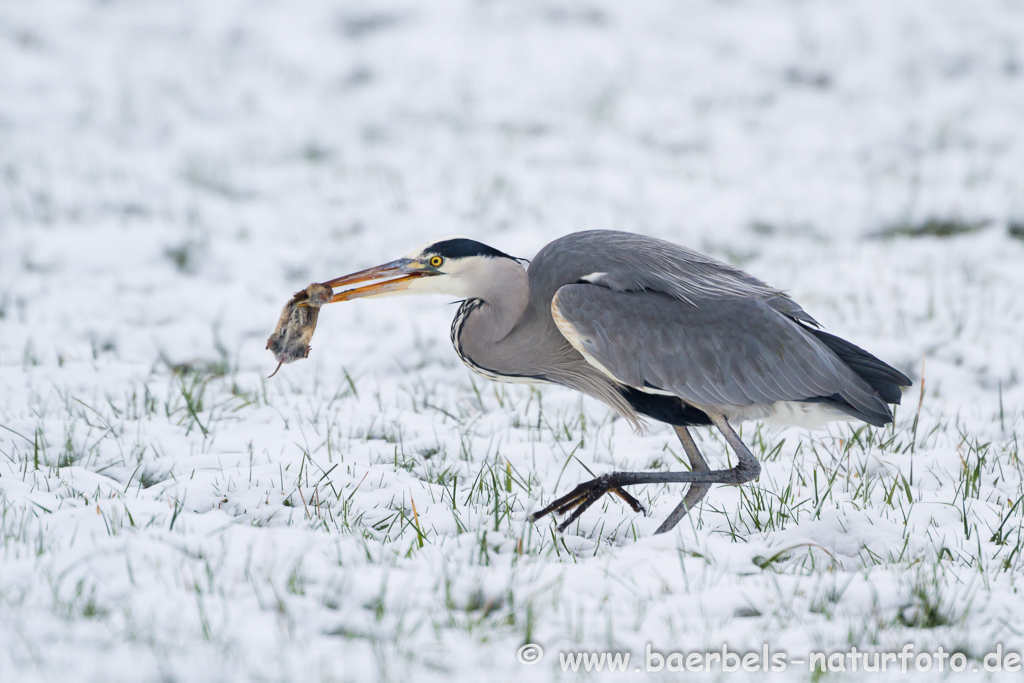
[(719, 352), (627, 262)]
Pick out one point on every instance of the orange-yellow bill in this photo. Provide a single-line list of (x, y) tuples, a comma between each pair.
[(392, 277)]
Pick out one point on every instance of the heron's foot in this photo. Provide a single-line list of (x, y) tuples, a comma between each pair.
[(700, 478), (585, 495)]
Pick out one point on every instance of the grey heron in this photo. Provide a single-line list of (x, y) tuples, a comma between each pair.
[(652, 329)]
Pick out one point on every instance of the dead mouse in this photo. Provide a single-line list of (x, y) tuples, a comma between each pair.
[(290, 340)]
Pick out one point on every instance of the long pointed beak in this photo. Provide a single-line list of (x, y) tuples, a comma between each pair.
[(394, 276)]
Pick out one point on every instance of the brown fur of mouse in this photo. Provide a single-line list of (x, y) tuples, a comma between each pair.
[(291, 337)]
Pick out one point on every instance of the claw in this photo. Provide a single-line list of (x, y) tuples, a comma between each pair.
[(630, 500)]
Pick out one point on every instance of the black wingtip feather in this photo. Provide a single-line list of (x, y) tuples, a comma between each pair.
[(886, 380)]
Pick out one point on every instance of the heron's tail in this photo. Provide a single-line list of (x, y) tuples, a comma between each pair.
[(886, 380)]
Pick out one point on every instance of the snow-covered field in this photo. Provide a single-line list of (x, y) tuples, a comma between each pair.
[(170, 172)]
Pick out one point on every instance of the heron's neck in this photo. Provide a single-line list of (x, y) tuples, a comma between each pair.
[(504, 296), (488, 316)]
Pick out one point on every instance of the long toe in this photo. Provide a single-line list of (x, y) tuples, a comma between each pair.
[(573, 503), (573, 498), (585, 495), (592, 498), (566, 502)]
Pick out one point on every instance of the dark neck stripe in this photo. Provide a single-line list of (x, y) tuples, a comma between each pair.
[(465, 310)]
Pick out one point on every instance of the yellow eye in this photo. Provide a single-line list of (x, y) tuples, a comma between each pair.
[(436, 261)]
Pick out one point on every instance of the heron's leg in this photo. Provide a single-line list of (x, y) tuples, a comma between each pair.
[(696, 491), (584, 495), (748, 466)]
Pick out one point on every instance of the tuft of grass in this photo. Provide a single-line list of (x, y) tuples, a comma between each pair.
[(29, 357), (933, 227), (200, 368), (184, 255), (929, 608)]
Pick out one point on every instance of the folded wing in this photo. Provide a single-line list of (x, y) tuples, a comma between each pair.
[(725, 351)]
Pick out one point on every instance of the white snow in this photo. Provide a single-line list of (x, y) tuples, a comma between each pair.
[(171, 172)]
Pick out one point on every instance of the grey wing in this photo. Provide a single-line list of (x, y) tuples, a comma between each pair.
[(722, 352), (626, 262)]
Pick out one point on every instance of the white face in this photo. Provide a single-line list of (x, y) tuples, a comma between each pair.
[(425, 271), (462, 277)]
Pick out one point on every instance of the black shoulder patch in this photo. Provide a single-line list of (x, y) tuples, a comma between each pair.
[(461, 247), (668, 409)]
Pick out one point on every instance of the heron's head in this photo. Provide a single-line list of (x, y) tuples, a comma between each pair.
[(456, 266)]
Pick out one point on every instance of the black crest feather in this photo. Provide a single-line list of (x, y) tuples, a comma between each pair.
[(461, 247)]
